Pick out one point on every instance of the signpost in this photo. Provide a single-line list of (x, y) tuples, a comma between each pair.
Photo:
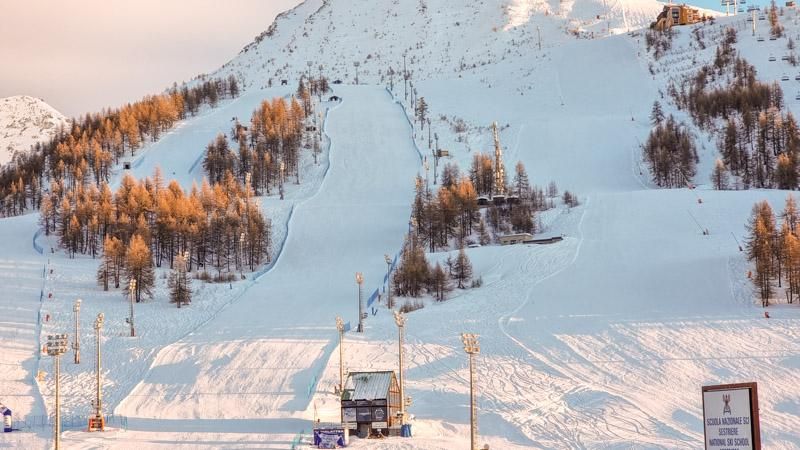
[(730, 417)]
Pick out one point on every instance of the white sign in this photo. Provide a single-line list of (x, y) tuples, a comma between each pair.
[(380, 425), (728, 419)]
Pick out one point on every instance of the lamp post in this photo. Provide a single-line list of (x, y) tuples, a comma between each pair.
[(430, 144), (57, 346), (241, 252), (76, 344), (400, 320), (472, 348), (435, 155), (97, 423), (356, 64), (388, 260), (132, 294), (360, 281), (340, 328), (405, 78)]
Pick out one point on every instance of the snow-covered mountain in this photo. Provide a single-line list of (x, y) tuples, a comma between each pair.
[(600, 341), (24, 121), (439, 38)]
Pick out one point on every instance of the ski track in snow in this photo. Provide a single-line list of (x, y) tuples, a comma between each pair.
[(599, 341)]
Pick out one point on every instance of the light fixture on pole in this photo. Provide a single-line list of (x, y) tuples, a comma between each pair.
[(76, 344), (97, 422), (400, 320), (388, 260), (356, 64), (57, 346), (132, 295), (340, 328), (435, 155), (472, 348), (361, 314), (241, 252)]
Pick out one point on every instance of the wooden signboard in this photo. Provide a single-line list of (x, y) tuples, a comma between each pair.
[(730, 417)]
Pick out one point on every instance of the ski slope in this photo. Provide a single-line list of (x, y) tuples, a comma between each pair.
[(257, 358), (600, 341)]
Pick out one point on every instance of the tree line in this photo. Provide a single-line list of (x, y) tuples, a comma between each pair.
[(669, 151), (415, 275), (83, 152), (451, 216), (774, 251), (268, 150), (145, 224), (758, 141)]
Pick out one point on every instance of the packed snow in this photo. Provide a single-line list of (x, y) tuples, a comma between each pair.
[(602, 340)]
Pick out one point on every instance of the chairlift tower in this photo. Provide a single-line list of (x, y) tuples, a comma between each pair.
[(499, 167)]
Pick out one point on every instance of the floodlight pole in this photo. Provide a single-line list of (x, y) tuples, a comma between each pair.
[(472, 348), (435, 155), (241, 252), (360, 281), (539, 34), (388, 260), (400, 320), (76, 344), (57, 346), (340, 328), (132, 294), (99, 422), (405, 78)]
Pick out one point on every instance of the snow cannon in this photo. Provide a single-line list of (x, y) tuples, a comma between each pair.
[(6, 419)]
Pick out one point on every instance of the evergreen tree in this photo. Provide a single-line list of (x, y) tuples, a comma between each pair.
[(522, 186), (179, 283), (439, 283), (760, 249), (656, 114), (462, 268), (139, 267), (719, 176), (790, 214), (483, 233), (421, 112), (413, 271)]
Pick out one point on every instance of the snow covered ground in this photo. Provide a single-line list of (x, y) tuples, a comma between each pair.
[(24, 121), (602, 340)]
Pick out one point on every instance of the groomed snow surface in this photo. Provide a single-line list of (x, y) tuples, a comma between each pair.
[(600, 341)]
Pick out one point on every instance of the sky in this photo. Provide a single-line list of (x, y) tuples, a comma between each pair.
[(81, 56)]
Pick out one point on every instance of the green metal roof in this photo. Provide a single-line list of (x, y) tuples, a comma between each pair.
[(367, 385)]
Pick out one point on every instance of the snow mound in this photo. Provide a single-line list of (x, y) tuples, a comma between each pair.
[(24, 121)]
